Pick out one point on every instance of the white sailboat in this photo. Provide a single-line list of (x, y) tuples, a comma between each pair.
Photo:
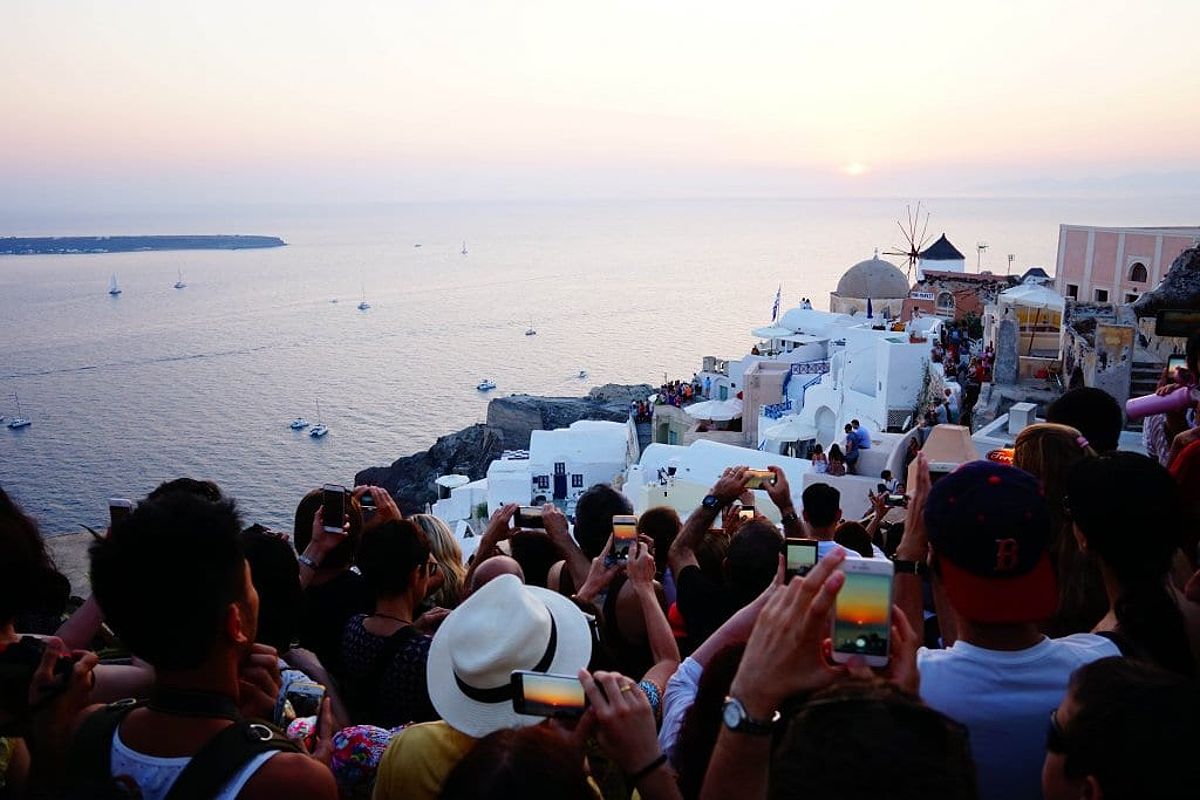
[(364, 305), (18, 421), (299, 424), (486, 385), (319, 429), (113, 289), (464, 250), (179, 284), (530, 331)]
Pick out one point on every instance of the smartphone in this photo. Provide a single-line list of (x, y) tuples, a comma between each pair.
[(19, 662), (1176, 362), (896, 501), (119, 509), (862, 614), (541, 694), (799, 557), (940, 469), (624, 535), (759, 478), (367, 503), (305, 698), (529, 517), (746, 513), (334, 503)]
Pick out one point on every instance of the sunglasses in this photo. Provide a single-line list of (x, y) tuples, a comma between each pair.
[(1056, 737)]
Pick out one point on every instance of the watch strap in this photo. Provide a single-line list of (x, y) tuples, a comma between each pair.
[(789, 518), (307, 561), (918, 568), (712, 501), (746, 723)]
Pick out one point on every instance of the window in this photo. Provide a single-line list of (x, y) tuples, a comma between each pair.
[(542, 481), (1101, 295), (1137, 272), (577, 481), (945, 301), (560, 468), (1073, 291), (1131, 298)]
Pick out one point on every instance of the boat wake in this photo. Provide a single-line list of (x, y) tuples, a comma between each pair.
[(131, 363)]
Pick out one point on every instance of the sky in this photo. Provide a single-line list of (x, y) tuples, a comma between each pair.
[(141, 101)]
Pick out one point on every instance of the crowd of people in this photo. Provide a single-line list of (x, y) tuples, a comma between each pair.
[(1043, 639), (968, 364)]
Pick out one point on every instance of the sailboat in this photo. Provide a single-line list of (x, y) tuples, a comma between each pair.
[(364, 305), (113, 289), (18, 421), (464, 250), (530, 331), (318, 430), (179, 284)]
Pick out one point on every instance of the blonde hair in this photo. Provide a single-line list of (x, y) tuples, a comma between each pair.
[(448, 554)]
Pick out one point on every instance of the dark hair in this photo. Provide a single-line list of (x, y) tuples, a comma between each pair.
[(536, 552), (752, 559), (340, 556), (594, 511), (25, 567), (533, 763), (206, 490), (388, 555), (853, 536), (1095, 412), (276, 578), (710, 555), (854, 422), (661, 524), (1135, 729), (871, 739), (1136, 540), (702, 721), (821, 503), (835, 453), (886, 474), (848, 427), (166, 576)]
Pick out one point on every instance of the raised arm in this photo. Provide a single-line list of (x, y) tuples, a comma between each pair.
[(576, 561), (319, 546), (914, 546), (663, 649), (497, 530), (780, 493), (727, 489)]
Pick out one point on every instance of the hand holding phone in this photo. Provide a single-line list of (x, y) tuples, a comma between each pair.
[(119, 509), (862, 617), (801, 556), (759, 478), (305, 698), (624, 535), (333, 508), (529, 518)]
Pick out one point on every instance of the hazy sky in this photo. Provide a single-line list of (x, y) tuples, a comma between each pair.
[(144, 101)]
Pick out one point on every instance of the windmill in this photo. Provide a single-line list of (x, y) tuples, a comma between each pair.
[(979, 248), (913, 241)]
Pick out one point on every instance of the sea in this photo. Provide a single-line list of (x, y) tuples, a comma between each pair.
[(160, 382)]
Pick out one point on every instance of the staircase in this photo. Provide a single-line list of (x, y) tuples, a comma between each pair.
[(1143, 380)]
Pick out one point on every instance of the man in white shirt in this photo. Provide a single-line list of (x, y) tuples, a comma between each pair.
[(822, 513), (988, 534)]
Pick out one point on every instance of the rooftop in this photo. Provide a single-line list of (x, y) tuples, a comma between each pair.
[(942, 250)]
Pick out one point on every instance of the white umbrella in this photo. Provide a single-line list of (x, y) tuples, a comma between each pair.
[(715, 410), (790, 429)]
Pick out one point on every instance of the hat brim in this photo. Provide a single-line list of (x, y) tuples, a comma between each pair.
[(572, 653), (1032, 597)]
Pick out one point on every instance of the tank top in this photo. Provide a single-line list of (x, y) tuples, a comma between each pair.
[(155, 775)]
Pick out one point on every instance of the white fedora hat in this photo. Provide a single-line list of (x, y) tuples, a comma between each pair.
[(503, 627)]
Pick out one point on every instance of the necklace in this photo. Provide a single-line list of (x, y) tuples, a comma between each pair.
[(394, 619)]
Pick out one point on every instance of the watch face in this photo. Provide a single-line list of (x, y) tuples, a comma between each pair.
[(732, 713), (711, 501)]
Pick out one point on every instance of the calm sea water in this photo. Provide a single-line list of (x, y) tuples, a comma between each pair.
[(126, 392)]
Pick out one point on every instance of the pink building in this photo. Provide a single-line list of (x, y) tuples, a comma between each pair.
[(1116, 265)]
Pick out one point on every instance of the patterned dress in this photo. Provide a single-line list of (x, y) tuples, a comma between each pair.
[(385, 675)]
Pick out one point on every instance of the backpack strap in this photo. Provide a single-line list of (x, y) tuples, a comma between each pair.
[(89, 759), (219, 760)]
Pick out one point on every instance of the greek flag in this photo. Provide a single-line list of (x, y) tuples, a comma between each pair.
[(775, 309)]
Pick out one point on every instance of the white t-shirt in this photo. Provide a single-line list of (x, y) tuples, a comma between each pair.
[(1004, 698), (677, 699), (824, 548)]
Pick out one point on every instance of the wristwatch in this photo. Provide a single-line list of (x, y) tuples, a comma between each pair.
[(788, 518), (918, 568), (712, 501), (734, 715)]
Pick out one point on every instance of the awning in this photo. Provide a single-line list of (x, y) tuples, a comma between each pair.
[(452, 481), (773, 332), (790, 429), (1032, 296), (715, 410)]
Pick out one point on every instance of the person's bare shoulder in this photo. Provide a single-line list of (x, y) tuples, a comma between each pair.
[(301, 777)]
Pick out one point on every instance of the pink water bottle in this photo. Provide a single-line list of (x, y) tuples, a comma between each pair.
[(1181, 398)]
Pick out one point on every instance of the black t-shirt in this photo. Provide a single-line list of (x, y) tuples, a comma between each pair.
[(704, 604), (325, 611)]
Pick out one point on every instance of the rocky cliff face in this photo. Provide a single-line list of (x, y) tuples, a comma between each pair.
[(1180, 288), (509, 423)]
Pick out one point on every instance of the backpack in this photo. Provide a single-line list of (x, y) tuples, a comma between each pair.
[(89, 760)]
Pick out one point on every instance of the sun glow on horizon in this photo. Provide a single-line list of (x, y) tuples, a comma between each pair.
[(854, 169)]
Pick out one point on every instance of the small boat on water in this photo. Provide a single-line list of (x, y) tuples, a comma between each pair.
[(18, 421), (113, 289), (486, 385), (582, 374), (530, 331), (320, 429), (364, 305), (179, 284), (464, 250), (299, 424)]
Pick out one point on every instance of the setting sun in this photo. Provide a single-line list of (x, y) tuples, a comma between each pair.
[(854, 168)]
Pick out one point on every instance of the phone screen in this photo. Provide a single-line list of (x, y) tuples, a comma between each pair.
[(118, 510), (306, 698), (1175, 366), (624, 535), (334, 503), (801, 556), (759, 478), (542, 695), (529, 517), (746, 513), (862, 619)]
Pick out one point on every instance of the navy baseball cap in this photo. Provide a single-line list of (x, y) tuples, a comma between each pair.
[(989, 528)]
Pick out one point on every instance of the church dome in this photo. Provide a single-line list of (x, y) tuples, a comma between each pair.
[(873, 278)]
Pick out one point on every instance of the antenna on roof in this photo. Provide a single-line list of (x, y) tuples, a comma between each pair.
[(979, 248), (1011, 257)]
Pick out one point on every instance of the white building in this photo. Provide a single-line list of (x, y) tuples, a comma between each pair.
[(941, 256)]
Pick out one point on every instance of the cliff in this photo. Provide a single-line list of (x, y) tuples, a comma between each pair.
[(509, 423), (1180, 287)]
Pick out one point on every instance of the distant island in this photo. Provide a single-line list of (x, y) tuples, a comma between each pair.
[(42, 245)]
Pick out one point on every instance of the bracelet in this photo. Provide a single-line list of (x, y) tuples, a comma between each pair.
[(636, 777), (308, 562)]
